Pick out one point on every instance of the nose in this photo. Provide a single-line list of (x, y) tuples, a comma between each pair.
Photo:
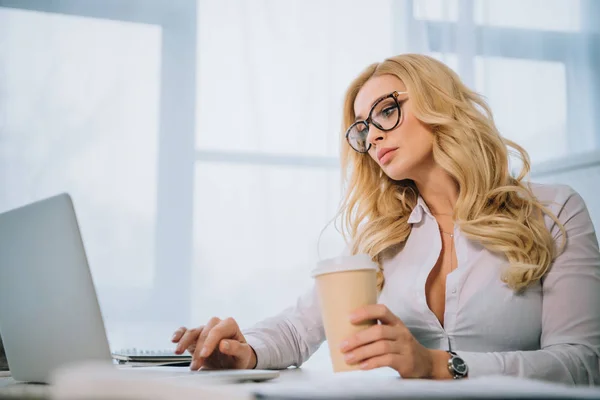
[(375, 135)]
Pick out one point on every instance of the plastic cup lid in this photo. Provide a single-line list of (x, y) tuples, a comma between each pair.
[(344, 263)]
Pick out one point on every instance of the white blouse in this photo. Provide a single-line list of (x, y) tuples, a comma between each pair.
[(551, 331)]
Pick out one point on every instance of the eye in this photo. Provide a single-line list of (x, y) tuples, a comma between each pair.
[(388, 111), (362, 130)]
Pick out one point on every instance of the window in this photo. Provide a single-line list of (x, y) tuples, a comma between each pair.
[(79, 106)]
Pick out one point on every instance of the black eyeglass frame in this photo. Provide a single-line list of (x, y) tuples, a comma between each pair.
[(395, 94)]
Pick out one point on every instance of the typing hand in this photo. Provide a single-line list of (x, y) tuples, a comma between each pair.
[(389, 344), (217, 345)]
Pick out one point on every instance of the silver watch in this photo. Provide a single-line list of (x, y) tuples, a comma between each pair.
[(457, 366)]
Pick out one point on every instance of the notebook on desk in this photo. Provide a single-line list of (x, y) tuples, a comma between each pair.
[(162, 357)]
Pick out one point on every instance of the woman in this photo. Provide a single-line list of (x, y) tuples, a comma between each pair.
[(478, 268)]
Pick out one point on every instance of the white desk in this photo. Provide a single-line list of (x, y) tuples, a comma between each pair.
[(296, 384), (321, 384), (9, 388)]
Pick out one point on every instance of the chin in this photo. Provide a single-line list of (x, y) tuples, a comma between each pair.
[(396, 174), (397, 170)]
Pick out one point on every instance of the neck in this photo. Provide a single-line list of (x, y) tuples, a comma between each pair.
[(438, 189)]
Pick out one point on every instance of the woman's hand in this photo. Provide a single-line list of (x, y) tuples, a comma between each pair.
[(217, 345), (390, 344)]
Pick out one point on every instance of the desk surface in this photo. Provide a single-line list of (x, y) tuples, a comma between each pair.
[(306, 383), (9, 388)]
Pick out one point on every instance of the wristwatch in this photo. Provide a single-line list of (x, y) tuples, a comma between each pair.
[(457, 366)]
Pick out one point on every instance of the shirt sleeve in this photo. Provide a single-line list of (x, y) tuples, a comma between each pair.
[(290, 337), (570, 339)]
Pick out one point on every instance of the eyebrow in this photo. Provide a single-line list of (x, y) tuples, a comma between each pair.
[(359, 118)]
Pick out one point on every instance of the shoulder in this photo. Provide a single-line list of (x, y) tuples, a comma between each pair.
[(554, 196), (566, 205)]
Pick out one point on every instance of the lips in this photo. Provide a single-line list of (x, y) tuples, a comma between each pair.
[(385, 154)]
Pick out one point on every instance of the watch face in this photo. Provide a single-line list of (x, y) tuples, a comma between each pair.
[(459, 365)]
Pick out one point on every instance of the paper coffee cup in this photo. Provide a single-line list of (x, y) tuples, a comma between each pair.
[(344, 284)]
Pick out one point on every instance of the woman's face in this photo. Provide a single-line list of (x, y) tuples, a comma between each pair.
[(406, 151)]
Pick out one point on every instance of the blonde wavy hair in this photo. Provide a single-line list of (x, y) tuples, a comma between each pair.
[(493, 207)]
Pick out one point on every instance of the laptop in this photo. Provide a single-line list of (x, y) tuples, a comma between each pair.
[(49, 313)]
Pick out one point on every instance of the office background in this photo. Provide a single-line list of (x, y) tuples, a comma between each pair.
[(199, 139)]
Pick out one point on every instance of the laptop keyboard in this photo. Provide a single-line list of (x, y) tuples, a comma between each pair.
[(149, 353)]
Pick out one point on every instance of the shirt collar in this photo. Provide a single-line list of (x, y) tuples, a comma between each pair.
[(417, 213)]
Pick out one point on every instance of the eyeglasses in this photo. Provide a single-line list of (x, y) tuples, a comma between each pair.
[(385, 115)]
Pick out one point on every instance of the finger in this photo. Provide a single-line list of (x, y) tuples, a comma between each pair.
[(188, 338), (227, 329), (371, 350), (374, 312), (229, 347), (386, 360), (234, 348), (178, 334), (191, 349), (198, 355), (371, 334)]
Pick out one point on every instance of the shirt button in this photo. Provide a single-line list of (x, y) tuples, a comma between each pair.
[(454, 291)]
